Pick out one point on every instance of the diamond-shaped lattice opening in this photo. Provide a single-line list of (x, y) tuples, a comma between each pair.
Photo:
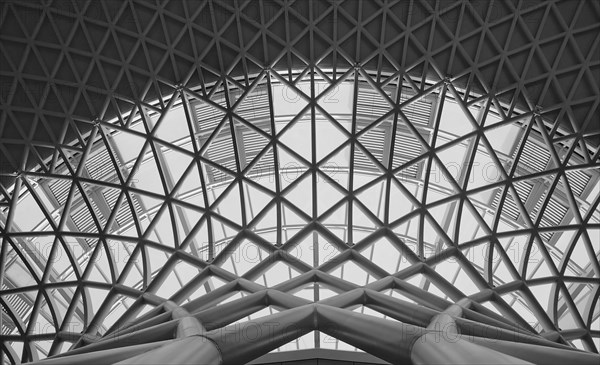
[(255, 182)]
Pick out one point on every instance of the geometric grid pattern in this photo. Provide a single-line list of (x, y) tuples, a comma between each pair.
[(222, 180), (299, 176), (65, 63)]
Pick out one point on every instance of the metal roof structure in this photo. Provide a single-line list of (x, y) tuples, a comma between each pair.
[(269, 181)]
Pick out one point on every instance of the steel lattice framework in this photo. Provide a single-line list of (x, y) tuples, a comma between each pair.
[(178, 175)]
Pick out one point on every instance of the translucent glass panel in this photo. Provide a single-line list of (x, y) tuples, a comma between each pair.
[(269, 183)]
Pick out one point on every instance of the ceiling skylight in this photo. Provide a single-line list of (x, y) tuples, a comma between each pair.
[(348, 176)]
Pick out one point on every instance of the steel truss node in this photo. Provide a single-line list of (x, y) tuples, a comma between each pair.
[(224, 205)]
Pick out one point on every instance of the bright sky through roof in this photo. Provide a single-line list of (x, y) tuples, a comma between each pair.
[(168, 165)]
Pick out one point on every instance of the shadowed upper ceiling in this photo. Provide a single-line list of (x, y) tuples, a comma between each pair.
[(64, 64)]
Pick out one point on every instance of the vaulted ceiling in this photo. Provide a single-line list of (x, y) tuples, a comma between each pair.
[(189, 132)]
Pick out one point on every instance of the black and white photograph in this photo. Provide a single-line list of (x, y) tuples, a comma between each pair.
[(299, 182)]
